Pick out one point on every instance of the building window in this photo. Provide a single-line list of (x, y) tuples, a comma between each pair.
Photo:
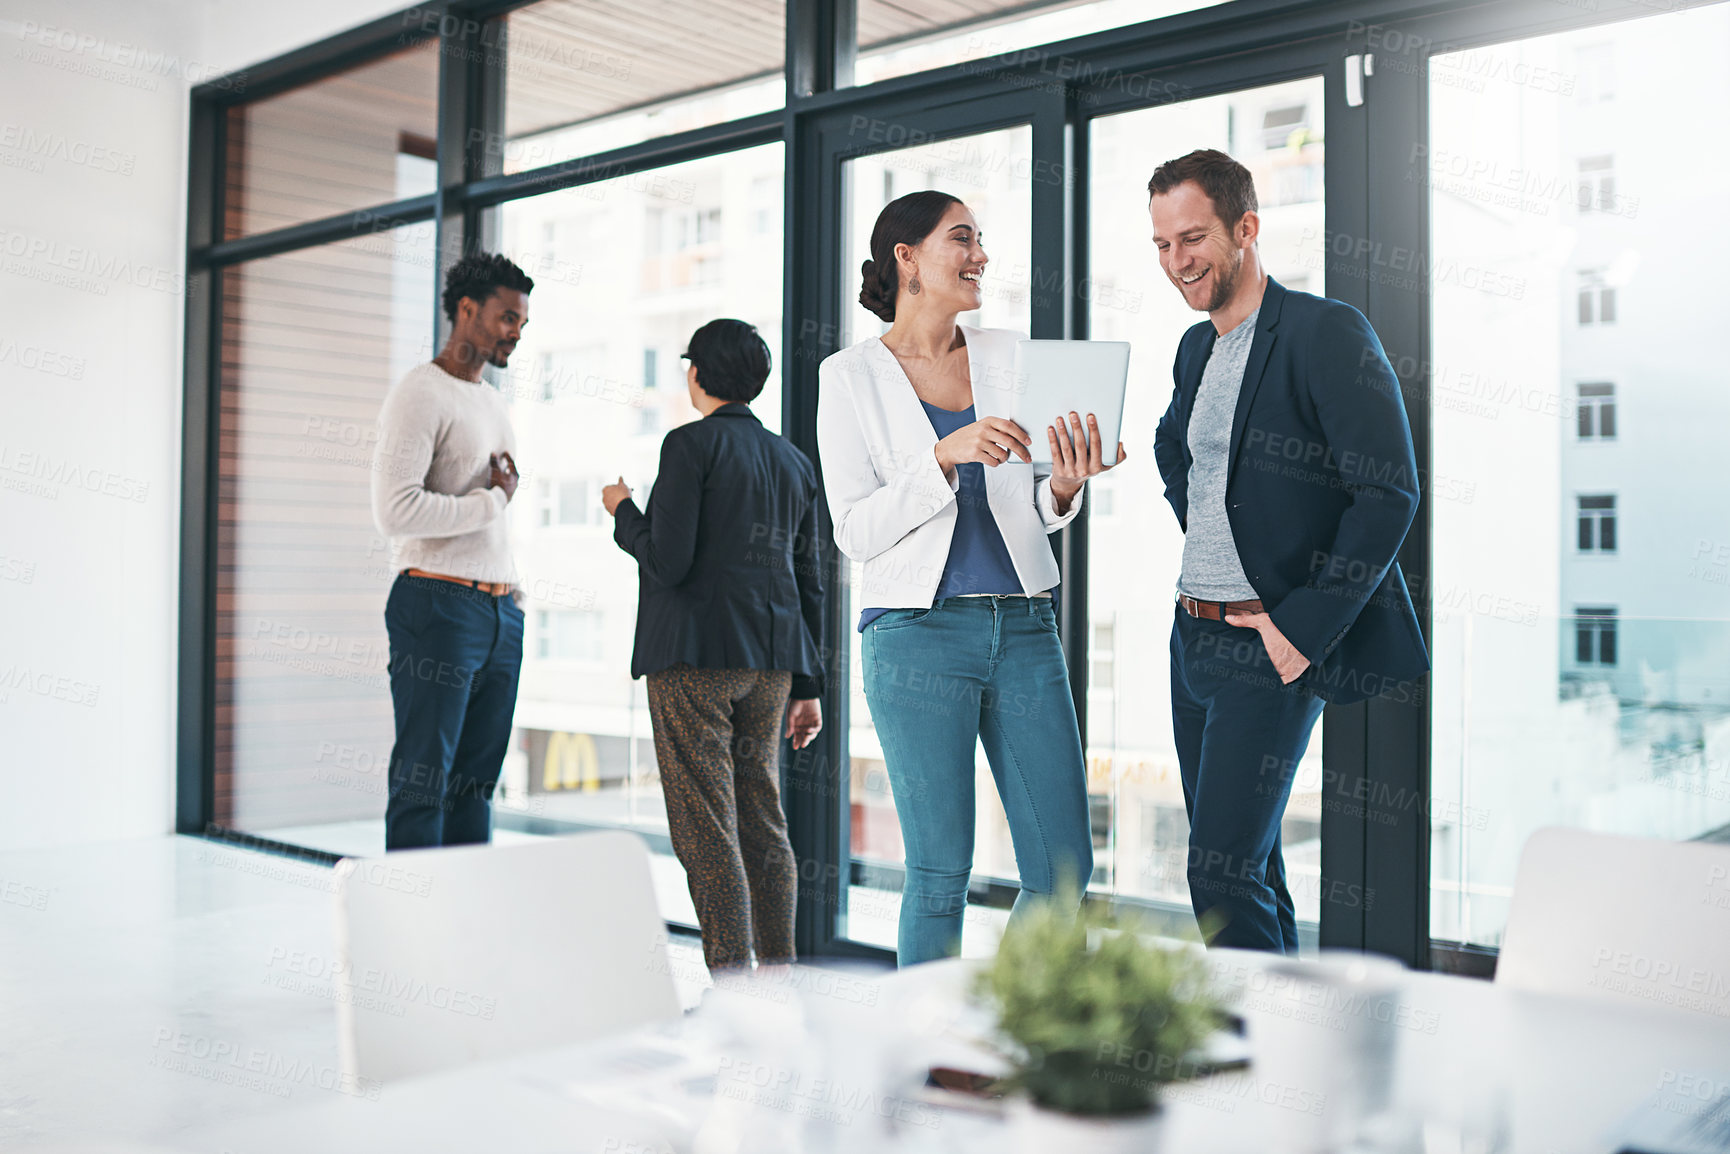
[(1596, 413), (651, 367), (544, 510), (699, 227), (1102, 674), (1594, 73), (1597, 524), (1597, 187), (1597, 299), (1595, 636), (575, 502), (764, 190), (1279, 126), (569, 374), (548, 376), (568, 634), (580, 502)]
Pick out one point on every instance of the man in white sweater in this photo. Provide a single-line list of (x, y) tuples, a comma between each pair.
[(442, 475)]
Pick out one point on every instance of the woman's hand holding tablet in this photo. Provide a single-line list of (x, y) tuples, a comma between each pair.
[(990, 441), (1075, 456)]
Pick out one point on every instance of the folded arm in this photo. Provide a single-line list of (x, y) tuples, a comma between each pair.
[(402, 505)]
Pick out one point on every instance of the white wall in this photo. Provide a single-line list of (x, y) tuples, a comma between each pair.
[(93, 121)]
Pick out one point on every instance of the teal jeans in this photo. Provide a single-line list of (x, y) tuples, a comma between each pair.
[(985, 670)]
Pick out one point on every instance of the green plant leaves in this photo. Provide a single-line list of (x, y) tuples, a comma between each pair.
[(1093, 1019)]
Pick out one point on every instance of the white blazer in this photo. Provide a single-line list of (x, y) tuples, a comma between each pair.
[(892, 507)]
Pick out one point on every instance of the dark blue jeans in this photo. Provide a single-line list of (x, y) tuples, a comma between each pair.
[(1239, 736), (940, 682), (455, 654)]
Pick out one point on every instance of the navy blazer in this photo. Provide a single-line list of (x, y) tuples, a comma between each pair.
[(727, 554), (1322, 485)]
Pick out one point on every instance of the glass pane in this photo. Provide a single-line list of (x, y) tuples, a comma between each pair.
[(898, 39), (1137, 550), (625, 271), (585, 76), (1528, 730), (362, 137), (992, 172), (311, 342)]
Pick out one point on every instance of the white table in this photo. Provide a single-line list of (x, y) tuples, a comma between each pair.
[(1572, 1069)]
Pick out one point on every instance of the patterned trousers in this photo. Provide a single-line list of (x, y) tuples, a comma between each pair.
[(718, 743)]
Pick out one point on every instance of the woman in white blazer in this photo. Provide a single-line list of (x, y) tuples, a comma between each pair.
[(959, 635)]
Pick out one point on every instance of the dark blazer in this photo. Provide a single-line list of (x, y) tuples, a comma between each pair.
[(727, 553), (1321, 488)]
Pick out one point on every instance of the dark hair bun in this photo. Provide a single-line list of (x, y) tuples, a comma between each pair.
[(877, 297), (905, 220)]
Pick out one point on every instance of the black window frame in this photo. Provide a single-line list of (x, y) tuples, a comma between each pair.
[(1596, 636), (1595, 411), (1595, 524), (1224, 47)]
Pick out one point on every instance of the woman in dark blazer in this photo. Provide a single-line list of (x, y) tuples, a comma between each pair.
[(729, 608)]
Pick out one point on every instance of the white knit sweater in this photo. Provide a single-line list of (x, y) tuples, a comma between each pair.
[(430, 474)]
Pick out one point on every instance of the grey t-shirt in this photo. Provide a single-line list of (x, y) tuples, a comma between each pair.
[(1211, 568)]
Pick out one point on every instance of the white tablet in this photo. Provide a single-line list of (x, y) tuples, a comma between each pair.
[(1060, 377)]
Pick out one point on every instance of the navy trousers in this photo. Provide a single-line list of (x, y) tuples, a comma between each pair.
[(455, 654), (1240, 734)]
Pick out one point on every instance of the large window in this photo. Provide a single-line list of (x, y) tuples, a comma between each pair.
[(1580, 672), (897, 39), (992, 172), (1137, 548), (653, 170), (582, 76), (311, 341), (365, 136), (634, 266)]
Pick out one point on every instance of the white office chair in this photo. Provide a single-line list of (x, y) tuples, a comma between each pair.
[(1622, 919), (451, 956)]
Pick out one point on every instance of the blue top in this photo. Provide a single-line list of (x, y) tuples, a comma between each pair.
[(978, 559)]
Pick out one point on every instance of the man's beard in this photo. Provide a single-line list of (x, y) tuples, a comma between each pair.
[(1225, 284)]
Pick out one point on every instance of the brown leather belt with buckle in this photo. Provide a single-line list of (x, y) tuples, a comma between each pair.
[(1216, 610), (495, 588)]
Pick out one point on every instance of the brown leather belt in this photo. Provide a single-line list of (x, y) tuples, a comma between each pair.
[(495, 588), (1216, 610)]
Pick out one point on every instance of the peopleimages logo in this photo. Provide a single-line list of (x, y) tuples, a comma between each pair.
[(57, 146), (400, 989), (124, 55), (82, 261), (49, 470)]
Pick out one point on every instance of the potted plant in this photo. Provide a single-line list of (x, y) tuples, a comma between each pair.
[(1094, 1021)]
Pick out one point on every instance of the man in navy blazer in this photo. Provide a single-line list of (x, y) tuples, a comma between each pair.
[(1287, 457)]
